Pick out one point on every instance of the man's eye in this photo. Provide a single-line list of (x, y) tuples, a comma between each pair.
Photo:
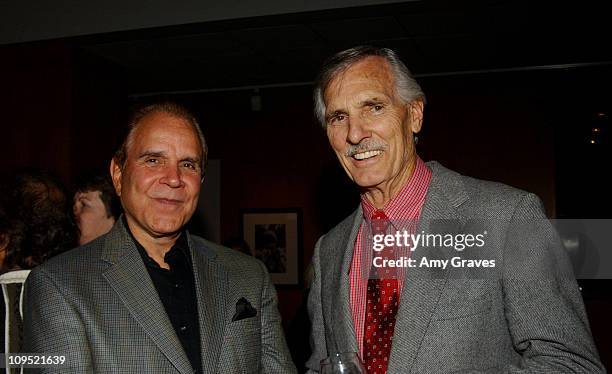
[(377, 107), (337, 118), (193, 167), (152, 161)]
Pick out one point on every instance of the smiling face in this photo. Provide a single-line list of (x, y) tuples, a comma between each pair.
[(159, 184), (370, 128)]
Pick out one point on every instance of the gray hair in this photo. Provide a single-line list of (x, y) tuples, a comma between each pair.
[(406, 86), (168, 107)]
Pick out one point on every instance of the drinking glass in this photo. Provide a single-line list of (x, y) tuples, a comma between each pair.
[(342, 363)]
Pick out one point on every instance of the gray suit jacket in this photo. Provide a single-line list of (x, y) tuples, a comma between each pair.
[(98, 306), (527, 318)]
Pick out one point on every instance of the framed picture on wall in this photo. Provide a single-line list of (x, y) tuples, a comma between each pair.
[(275, 237)]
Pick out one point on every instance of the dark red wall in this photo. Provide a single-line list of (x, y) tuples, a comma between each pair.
[(36, 99)]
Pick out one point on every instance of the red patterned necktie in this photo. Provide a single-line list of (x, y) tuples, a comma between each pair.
[(381, 309)]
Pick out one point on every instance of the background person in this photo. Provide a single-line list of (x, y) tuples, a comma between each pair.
[(95, 207), (40, 223)]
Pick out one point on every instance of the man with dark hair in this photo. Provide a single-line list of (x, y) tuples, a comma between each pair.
[(148, 297), (391, 304), (95, 207)]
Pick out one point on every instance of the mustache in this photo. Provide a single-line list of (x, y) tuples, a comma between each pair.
[(365, 146)]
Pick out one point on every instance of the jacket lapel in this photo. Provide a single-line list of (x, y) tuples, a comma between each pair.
[(423, 286), (345, 337), (211, 287), (129, 278)]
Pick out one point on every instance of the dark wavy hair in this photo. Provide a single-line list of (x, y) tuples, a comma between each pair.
[(37, 221), (101, 182)]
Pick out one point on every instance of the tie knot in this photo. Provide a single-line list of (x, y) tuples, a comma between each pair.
[(380, 222), (379, 215)]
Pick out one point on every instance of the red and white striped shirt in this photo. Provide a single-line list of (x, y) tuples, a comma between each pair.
[(404, 210)]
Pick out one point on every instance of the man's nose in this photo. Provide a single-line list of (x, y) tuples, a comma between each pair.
[(172, 176), (358, 129)]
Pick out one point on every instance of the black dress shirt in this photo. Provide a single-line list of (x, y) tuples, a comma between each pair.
[(176, 289)]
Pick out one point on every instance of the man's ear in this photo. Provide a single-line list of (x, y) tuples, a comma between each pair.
[(115, 172), (415, 112)]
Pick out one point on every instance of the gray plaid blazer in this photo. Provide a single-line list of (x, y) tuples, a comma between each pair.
[(527, 319), (98, 306)]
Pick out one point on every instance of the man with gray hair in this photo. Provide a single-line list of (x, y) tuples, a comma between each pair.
[(148, 297), (524, 314)]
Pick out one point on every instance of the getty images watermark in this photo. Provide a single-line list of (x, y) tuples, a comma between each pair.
[(479, 248), (383, 243)]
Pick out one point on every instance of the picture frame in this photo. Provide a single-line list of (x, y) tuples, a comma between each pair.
[(274, 236)]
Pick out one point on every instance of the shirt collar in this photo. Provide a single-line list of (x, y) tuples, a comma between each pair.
[(407, 203), (181, 245)]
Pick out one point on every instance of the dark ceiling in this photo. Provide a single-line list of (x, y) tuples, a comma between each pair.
[(432, 37)]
